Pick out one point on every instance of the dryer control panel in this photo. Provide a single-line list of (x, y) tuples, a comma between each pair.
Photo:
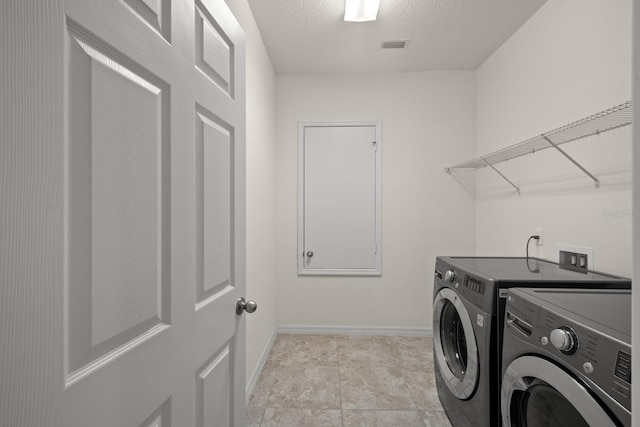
[(594, 352), (478, 291), (591, 353), (474, 290)]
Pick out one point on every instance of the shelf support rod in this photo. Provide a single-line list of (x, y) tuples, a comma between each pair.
[(564, 153), (500, 173)]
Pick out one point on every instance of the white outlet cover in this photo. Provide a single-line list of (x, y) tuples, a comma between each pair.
[(577, 249)]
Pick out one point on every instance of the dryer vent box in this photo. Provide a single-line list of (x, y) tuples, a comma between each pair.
[(576, 258)]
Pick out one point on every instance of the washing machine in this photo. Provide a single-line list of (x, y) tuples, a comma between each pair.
[(567, 358), (469, 297)]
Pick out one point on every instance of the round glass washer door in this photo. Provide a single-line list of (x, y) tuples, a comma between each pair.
[(536, 393), (454, 343)]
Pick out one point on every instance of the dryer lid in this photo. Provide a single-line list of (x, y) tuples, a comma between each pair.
[(533, 269)]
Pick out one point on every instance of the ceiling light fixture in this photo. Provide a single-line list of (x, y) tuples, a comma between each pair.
[(361, 10)]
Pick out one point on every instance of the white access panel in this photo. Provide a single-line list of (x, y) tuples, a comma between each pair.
[(339, 198)]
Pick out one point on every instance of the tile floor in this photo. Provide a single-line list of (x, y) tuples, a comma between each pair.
[(327, 380)]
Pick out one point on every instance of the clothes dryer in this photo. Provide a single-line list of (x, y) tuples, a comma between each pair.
[(567, 358), (469, 297)]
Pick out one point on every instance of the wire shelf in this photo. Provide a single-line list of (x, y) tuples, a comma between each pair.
[(612, 118), (609, 119)]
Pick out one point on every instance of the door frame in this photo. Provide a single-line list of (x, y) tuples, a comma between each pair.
[(301, 201)]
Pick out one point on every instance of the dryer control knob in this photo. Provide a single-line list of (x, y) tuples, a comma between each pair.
[(564, 339), (588, 368), (450, 276)]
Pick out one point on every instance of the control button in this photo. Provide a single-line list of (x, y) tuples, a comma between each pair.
[(456, 285), (450, 276), (588, 368), (544, 340), (621, 388), (623, 366), (564, 339)]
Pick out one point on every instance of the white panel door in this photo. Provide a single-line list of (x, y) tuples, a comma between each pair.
[(122, 194), (340, 209)]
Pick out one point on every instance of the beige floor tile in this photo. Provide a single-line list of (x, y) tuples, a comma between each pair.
[(413, 351), (254, 416), (367, 350), (377, 387), (422, 386), (318, 350), (435, 419), (376, 380), (296, 417), (262, 390), (365, 418), (278, 351), (308, 387)]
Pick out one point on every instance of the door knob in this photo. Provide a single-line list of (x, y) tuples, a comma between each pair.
[(309, 254), (248, 306)]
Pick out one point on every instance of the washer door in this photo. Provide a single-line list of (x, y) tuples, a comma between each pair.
[(535, 392), (454, 344)]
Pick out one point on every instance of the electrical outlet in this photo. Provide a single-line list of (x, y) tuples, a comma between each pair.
[(582, 261), (538, 232), (573, 261)]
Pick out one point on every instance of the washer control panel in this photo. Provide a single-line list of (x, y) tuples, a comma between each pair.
[(590, 353), (599, 358), (450, 276), (564, 339), (623, 366), (476, 290)]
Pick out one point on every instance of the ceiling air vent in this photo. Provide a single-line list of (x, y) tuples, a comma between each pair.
[(395, 44)]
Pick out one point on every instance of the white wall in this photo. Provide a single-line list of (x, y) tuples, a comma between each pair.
[(570, 60), (636, 205), (261, 207), (427, 120)]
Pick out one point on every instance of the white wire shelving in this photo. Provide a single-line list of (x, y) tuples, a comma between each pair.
[(609, 119)]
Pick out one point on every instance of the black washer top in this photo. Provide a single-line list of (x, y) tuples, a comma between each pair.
[(522, 270)]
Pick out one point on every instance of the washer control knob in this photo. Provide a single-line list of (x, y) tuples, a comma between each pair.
[(564, 339), (450, 276), (588, 368)]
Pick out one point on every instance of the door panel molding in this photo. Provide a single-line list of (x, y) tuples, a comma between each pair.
[(98, 197)]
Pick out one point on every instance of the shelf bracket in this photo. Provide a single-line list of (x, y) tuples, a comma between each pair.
[(500, 173), (554, 145)]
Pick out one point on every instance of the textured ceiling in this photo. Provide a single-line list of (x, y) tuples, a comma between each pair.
[(310, 36)]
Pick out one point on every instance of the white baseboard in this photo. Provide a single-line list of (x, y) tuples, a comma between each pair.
[(251, 385), (355, 330)]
